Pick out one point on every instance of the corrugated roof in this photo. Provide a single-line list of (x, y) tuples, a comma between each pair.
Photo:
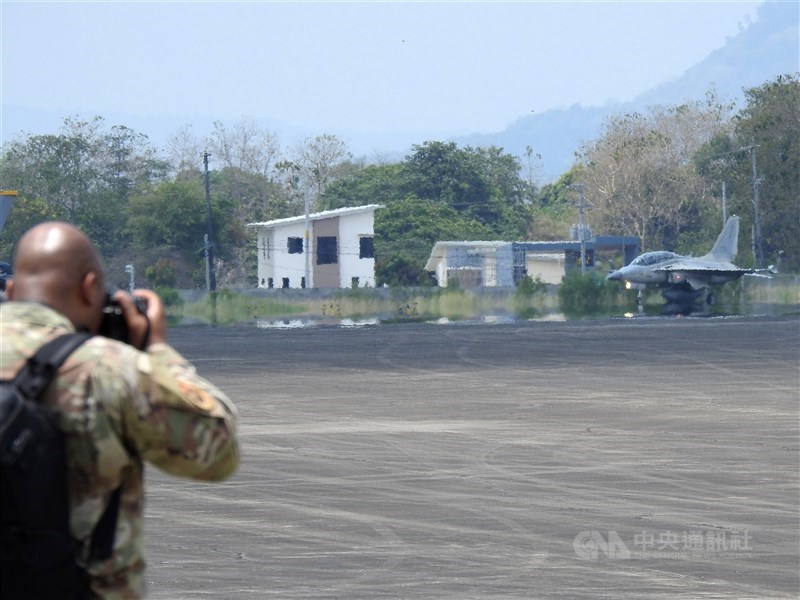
[(485, 244), (439, 247), (326, 214)]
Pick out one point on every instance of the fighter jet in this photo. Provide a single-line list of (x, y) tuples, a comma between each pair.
[(685, 278)]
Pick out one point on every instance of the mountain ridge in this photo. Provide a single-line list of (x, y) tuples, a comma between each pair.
[(759, 53)]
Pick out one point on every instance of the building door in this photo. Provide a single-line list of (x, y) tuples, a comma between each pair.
[(326, 253)]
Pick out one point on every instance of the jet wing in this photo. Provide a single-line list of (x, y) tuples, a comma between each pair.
[(700, 273), (687, 266)]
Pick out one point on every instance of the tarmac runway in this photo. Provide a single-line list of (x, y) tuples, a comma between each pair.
[(626, 459)]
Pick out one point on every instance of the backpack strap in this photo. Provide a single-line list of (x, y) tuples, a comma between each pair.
[(41, 368), (102, 544), (32, 380)]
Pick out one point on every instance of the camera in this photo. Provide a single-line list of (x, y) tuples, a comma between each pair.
[(113, 324)]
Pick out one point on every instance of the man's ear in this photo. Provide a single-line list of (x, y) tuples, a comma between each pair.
[(10, 289), (91, 298), (89, 288)]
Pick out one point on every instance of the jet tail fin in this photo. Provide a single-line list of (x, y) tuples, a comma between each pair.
[(727, 243)]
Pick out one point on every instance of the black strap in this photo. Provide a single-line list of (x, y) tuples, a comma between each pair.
[(102, 545), (41, 368), (32, 379)]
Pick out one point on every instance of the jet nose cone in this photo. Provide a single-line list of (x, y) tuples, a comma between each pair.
[(614, 276)]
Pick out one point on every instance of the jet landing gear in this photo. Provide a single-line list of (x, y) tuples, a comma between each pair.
[(682, 300)]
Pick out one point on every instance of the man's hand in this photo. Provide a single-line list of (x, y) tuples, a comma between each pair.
[(144, 330)]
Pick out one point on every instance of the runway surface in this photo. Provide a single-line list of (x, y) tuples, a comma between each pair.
[(627, 459)]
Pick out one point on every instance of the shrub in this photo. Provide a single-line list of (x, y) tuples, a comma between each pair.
[(163, 274), (586, 293), (525, 297), (169, 296)]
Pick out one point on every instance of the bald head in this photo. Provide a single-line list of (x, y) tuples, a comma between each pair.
[(57, 265)]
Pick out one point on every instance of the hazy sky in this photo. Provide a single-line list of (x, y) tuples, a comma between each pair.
[(445, 68)]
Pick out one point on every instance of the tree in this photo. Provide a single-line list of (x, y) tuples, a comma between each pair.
[(765, 136), (253, 197), (62, 169), (322, 160), (169, 220), (770, 125), (505, 211), (439, 192), (247, 160), (440, 172), (85, 174), (482, 184), (639, 174), (26, 213), (245, 146), (126, 163), (184, 151), (553, 208), (405, 232), (129, 161), (533, 169), (170, 215), (374, 184)]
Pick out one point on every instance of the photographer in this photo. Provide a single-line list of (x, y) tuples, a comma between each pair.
[(118, 404)]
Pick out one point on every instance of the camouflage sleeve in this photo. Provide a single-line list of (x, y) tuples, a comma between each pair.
[(179, 421)]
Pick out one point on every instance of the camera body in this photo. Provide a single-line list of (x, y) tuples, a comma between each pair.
[(113, 324)]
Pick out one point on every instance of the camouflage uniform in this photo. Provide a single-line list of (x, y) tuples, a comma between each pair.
[(119, 407)]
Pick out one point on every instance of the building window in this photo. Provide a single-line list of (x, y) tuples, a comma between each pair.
[(303, 282), (354, 282), (366, 248), (270, 283), (295, 245), (285, 283), (326, 250)]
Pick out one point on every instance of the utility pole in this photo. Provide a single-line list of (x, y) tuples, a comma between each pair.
[(581, 223), (307, 241), (757, 251), (724, 205), (130, 270), (211, 280), (756, 210), (758, 254)]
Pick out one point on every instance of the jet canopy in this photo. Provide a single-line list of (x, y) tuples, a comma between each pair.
[(653, 258)]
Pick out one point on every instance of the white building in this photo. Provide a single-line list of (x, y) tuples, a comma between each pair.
[(491, 264), (470, 264), (329, 249), (499, 263)]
